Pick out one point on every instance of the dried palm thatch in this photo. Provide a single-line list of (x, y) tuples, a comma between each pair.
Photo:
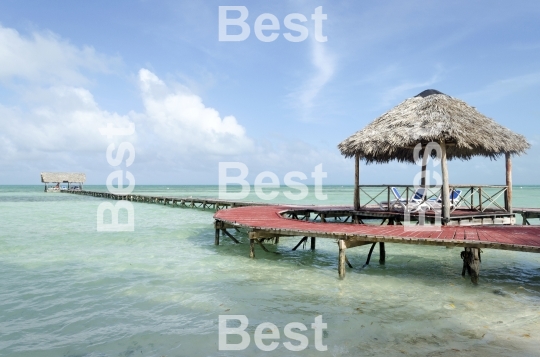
[(63, 177), (432, 116)]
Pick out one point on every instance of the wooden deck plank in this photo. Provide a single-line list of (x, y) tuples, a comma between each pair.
[(498, 237)]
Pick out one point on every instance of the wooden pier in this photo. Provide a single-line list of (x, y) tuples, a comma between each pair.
[(185, 202), (270, 222), (528, 213)]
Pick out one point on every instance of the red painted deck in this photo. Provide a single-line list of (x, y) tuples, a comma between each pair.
[(268, 219)]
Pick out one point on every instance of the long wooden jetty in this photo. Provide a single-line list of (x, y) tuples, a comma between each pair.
[(270, 222), (185, 202)]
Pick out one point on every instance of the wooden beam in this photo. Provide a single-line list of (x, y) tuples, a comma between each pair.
[(301, 241), (425, 156), (382, 256), (252, 248), (342, 258), (357, 182), (471, 263), (369, 254), (230, 236), (508, 196), (312, 243), (216, 241), (445, 187), (262, 246)]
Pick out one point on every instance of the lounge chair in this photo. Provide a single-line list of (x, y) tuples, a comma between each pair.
[(455, 201), (414, 204)]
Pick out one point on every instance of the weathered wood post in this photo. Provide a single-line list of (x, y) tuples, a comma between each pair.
[(356, 182), (252, 248), (445, 187), (471, 263), (342, 258), (312, 243), (382, 255), (508, 196), (216, 240), (425, 156)]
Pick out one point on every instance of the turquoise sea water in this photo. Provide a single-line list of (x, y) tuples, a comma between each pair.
[(68, 290)]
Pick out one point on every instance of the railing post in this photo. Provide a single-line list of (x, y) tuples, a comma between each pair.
[(480, 197), (388, 197)]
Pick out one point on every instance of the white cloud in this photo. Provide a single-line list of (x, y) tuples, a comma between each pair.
[(66, 119), (45, 57), (63, 122), (324, 67), (183, 123)]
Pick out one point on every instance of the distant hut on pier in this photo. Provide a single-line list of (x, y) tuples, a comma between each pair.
[(431, 116), (57, 181)]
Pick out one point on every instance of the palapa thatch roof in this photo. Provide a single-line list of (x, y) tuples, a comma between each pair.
[(432, 116), (63, 177)]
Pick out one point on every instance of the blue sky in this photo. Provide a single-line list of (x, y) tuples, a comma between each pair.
[(69, 68)]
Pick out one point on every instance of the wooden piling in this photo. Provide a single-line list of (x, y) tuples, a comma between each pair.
[(341, 261), (252, 248), (471, 263), (312, 243), (216, 241), (382, 250)]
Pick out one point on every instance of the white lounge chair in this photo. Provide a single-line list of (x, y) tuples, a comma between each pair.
[(415, 204), (455, 201)]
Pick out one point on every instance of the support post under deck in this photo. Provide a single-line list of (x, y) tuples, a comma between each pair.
[(471, 263), (341, 262), (252, 248), (382, 255)]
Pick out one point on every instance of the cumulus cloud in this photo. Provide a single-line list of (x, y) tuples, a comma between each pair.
[(52, 120), (183, 123), (65, 119), (45, 57)]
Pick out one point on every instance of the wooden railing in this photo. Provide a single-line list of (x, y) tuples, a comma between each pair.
[(474, 197)]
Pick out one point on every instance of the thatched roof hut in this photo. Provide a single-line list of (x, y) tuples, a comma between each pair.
[(432, 116), (70, 177), (461, 131)]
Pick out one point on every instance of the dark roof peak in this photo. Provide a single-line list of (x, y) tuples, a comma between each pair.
[(428, 92)]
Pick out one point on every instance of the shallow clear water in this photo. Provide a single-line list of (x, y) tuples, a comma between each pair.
[(68, 290)]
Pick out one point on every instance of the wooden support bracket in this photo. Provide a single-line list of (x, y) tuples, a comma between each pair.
[(230, 236), (369, 254), (304, 239)]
